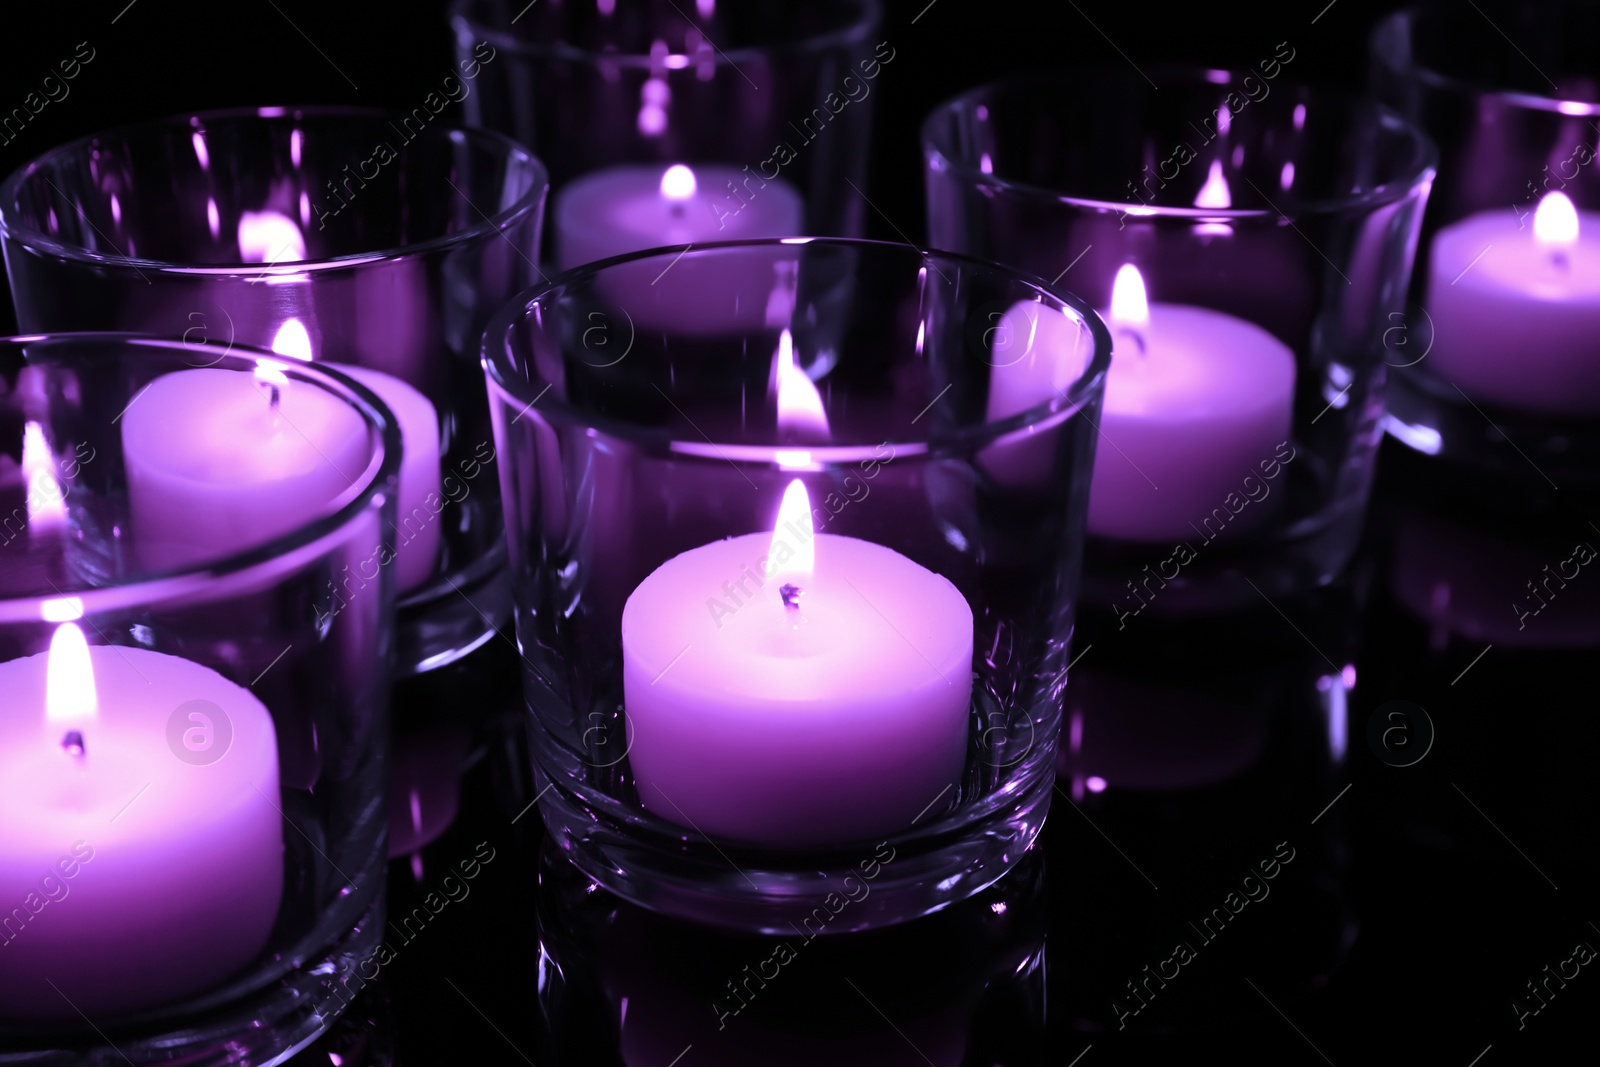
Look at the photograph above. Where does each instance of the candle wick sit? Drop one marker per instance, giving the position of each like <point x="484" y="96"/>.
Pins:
<point x="1136" y="337"/>
<point x="1559" y="257"/>
<point x="73" y="744"/>
<point x="274" y="394"/>
<point x="791" y="596"/>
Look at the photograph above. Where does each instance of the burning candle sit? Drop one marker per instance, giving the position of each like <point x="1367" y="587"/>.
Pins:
<point x="419" y="504"/>
<point x="1196" y="401"/>
<point x="629" y="208"/>
<point x="221" y="461"/>
<point x="796" y="689"/>
<point x="1516" y="310"/>
<point x="142" y="859"/>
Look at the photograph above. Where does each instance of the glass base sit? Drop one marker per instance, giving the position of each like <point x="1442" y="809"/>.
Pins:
<point x="685" y="875"/>
<point x="1228" y="572"/>
<point x="1542" y="452"/>
<point x="448" y="619"/>
<point x="264" y="1030"/>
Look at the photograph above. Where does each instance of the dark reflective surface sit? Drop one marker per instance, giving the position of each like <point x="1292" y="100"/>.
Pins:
<point x="1245" y="870"/>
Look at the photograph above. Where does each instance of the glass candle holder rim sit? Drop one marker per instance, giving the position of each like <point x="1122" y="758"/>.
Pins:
<point x="1421" y="167"/>
<point x="1066" y="401"/>
<point x="853" y="31"/>
<point x="154" y="587"/>
<point x="496" y="223"/>
<point x="1440" y="80"/>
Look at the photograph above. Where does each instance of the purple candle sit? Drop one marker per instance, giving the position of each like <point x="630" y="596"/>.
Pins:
<point x="796" y="689"/>
<point x="142" y="860"/>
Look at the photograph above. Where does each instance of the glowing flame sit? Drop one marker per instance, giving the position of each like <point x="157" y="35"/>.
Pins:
<point x="270" y="374"/>
<point x="793" y="530"/>
<point x="1130" y="307"/>
<point x="69" y="677"/>
<point x="678" y="183"/>
<point x="269" y="237"/>
<point x="62" y="609"/>
<point x="1214" y="193"/>
<point x="292" y="340"/>
<point x="47" y="506"/>
<point x="800" y="409"/>
<point x="1555" y="223"/>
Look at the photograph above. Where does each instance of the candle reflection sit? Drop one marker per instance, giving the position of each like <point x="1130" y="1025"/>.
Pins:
<point x="963" y="986"/>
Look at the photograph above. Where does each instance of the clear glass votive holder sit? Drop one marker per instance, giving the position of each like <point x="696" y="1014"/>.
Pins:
<point x="192" y="759"/>
<point x="880" y="721"/>
<point x="1499" y="376"/>
<point x="1272" y="227"/>
<point x="768" y="105"/>
<point x="378" y="242"/>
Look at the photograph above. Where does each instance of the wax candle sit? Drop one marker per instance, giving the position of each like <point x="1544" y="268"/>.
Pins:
<point x="221" y="461"/>
<point x="417" y="524"/>
<point x="628" y="208"/>
<point x="142" y="858"/>
<point x="796" y="689"/>
<point x="1516" y="308"/>
<point x="1196" y="401"/>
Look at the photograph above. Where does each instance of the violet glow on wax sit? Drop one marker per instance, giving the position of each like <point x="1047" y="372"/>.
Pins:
<point x="1515" y="308"/>
<point x="128" y="877"/>
<point x="274" y="457"/>
<point x="796" y="689"/>
<point x="417" y="547"/>
<point x="1195" y="399"/>
<point x="628" y="208"/>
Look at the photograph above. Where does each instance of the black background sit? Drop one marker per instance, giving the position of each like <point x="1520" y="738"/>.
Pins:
<point x="1452" y="916"/>
<point x="163" y="57"/>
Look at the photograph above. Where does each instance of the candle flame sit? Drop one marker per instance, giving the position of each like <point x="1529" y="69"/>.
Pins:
<point x="793" y="543"/>
<point x="62" y="609"/>
<point x="678" y="183"/>
<point x="800" y="409"/>
<point x="1555" y="223"/>
<point x="69" y="677"/>
<point x="1130" y="307"/>
<point x="1214" y="193"/>
<point x="270" y="374"/>
<point x="293" y="340"/>
<point x="270" y="237"/>
<point x="47" y="505"/>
